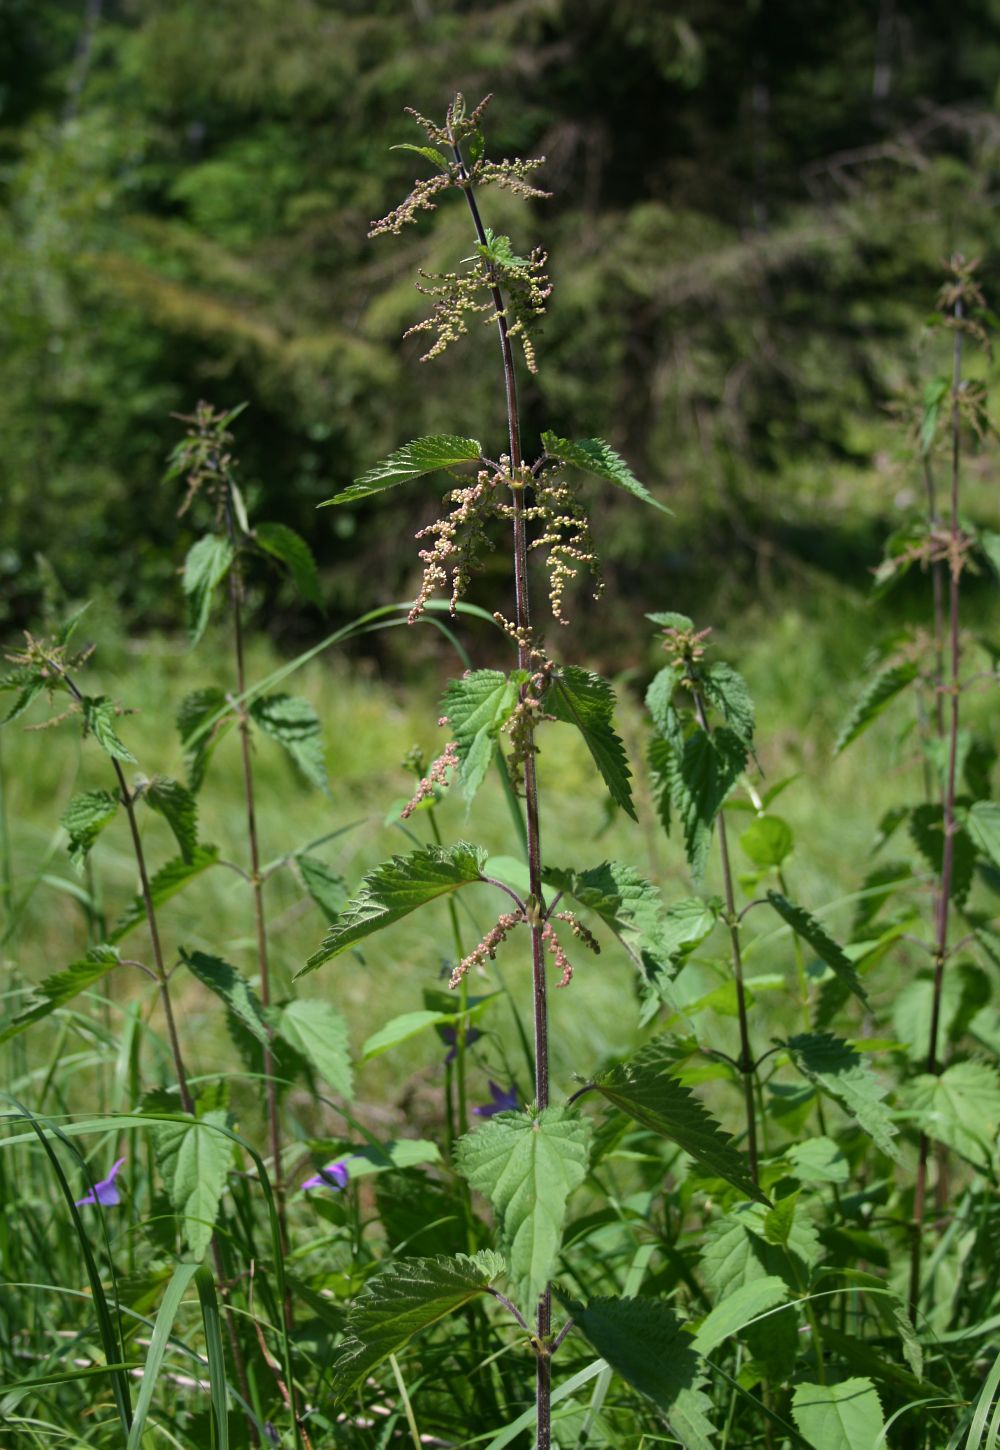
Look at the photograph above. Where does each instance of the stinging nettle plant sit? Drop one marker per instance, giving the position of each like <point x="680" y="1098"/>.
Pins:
<point x="526" y="1162"/>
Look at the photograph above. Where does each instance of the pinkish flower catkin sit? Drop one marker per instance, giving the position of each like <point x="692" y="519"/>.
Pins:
<point x="436" y="776"/>
<point x="560" y="958"/>
<point x="487" y="948"/>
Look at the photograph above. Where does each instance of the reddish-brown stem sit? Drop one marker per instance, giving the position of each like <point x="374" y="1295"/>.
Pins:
<point x="543" y="1380"/>
<point x="949" y="822"/>
<point x="746" y="1062"/>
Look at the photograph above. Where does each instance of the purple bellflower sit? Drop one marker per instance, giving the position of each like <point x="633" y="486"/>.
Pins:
<point x="503" y="1102"/>
<point x="450" y="1035"/>
<point x="105" y="1192"/>
<point x="334" y="1176"/>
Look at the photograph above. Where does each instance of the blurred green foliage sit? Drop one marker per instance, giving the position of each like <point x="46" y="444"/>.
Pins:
<point x="749" y="206"/>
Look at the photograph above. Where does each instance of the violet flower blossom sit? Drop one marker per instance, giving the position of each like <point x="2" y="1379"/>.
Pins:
<point x="105" y="1192"/>
<point x="334" y="1176"/>
<point x="450" y="1035"/>
<point x="503" y="1102"/>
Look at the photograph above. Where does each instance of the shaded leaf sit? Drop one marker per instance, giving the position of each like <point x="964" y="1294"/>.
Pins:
<point x="879" y="692"/>
<point x="99" y="715"/>
<point x="396" y="888"/>
<point x="60" y="988"/>
<point x="578" y="697"/>
<point x="234" y="989"/>
<point x="316" y="1029"/>
<point x="832" y="1064"/>
<point x="292" y="550"/>
<point x="847" y="1416"/>
<point x="413" y="460"/>
<point x="324" y="885"/>
<point x="727" y="690"/>
<point x="697" y="777"/>
<point x="927" y="831"/>
<point x="596" y="457"/>
<point x="199" y="735"/>
<point x="961" y="1109"/>
<point x="983" y="826"/>
<point x="527" y="1165"/>
<point x="648" y="1090"/>
<point x="737" y="1309"/>
<point x="399" y="1302"/>
<point x="179" y="809"/>
<point x="815" y="934"/>
<point x="295" y="725"/>
<point x="207" y="564"/>
<point x="476" y="706"/>
<point x="84" y="819"/>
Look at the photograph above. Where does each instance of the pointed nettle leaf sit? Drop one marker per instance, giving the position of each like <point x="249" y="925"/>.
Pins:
<point x="234" y="989"/>
<point x="413" y="460"/>
<point x="832" y="1065"/>
<point x="648" y="1089"/>
<point x="883" y="687"/>
<point x="646" y="1344"/>
<point x="178" y="808"/>
<point x="401" y="1029"/>
<point x="291" y="550"/>
<point x="815" y="935"/>
<point x="659" y="702"/>
<point x="202" y="719"/>
<point x="964" y="989"/>
<point x="207" y="564"/>
<point x="727" y="691"/>
<point x="927" y="833"/>
<point x="28" y="683"/>
<point x="316" y="1031"/>
<point x="194" y="1159"/>
<point x="59" y="988"/>
<point x="982" y="821"/>
<point x="167" y="882"/>
<point x="527" y="1165"/>
<point x="326" y="887"/>
<point x="768" y="841"/>
<point x="396" y="888"/>
<point x="99" y="716"/>
<point x="594" y="456"/>
<point x="429" y="153"/>
<point x="296" y="726"/>
<point x="694" y="778"/>
<point x="579" y="697"/>
<point x="84" y="819"/>
<point x="960" y="1108"/>
<point x="477" y="706"/>
<point x="733" y="1255"/>
<point x="401" y="1301"/>
<point x="845" y="1416"/>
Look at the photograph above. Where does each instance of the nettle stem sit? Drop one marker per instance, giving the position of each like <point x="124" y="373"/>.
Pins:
<point x="950" y="825"/>
<point x="746" y="1062"/>
<point x="257" y="889"/>
<point x="543" y="1383"/>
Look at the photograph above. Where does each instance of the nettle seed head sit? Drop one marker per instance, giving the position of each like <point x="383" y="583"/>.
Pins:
<point x="203" y="458"/>
<point x="566" y="537"/>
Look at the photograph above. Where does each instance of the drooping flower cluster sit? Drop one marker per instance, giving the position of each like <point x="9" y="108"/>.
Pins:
<point x="527" y="714"/>
<point x="566" y="536"/>
<point x="460" y="538"/>
<point x="487" y="948"/>
<point x="436" y="777"/>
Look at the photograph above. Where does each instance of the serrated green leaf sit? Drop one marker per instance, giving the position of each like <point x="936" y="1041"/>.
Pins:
<point x="429" y="153"/>
<point x="847" y="1416"/>
<point x="60" y="988"/>
<point x="29" y="684"/>
<point x="815" y="934"/>
<point x="99" y="715"/>
<point x="645" y="1343"/>
<point x="927" y="832"/>
<point x="234" y="989"/>
<point x="659" y="700"/>
<point x="736" y="1311"/>
<point x="84" y="819"/>
<point x="670" y="619"/>
<point x="648" y="1090"/>
<point x="578" y="697"/>
<point x="961" y="1109"/>
<point x="413" y="460"/>
<point x="290" y="549"/>
<point x="913" y="1008"/>
<point x="527" y="1165"/>
<point x="697" y="777"/>
<point x="768" y="841"/>
<point x="983" y="825"/>
<point x="732" y="1256"/>
<point x="405" y="1298"/>
<point x="295" y="725"/>
<point x="833" y="1065"/>
<point x="596" y="457"/>
<point x="477" y="706"/>
<point x="788" y="1225"/>
<point x="316" y="1029"/>
<point x="879" y="692"/>
<point x="818" y="1160"/>
<point x="170" y="879"/>
<point x="396" y="888"/>
<point x="179" y="809"/>
<point x="207" y="564"/>
<point x="324" y="885"/>
<point x="199" y="735"/>
<point x="401" y="1029"/>
<point x="194" y="1159"/>
<point x="727" y="690"/>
